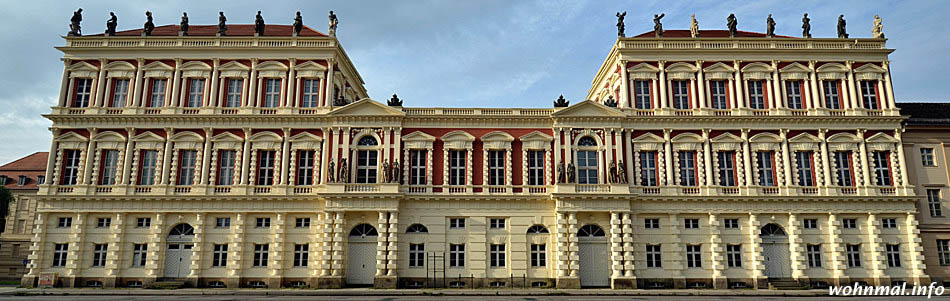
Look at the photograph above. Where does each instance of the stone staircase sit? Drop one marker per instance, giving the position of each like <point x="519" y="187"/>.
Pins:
<point x="785" y="284"/>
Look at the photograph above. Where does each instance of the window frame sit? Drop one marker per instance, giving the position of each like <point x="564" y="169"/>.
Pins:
<point x="306" y="167"/>
<point x="195" y="94"/>
<point x="728" y="173"/>
<point x="882" y="168"/>
<point x="718" y="95"/>
<point x="813" y="254"/>
<point x="82" y="93"/>
<point x="643" y="94"/>
<point x="187" y="165"/>
<point x="757" y="94"/>
<point x="261" y="254"/>
<point x="844" y="168"/>
<point x="694" y="256"/>
<point x="934" y="202"/>
<point x="71" y="160"/>
<point x="496" y="167"/>
<point x="219" y="255"/>
<point x="270" y="94"/>
<point x="893" y="254"/>
<point x="417" y="167"/>
<point x="832" y="94"/>
<point x="227" y="166"/>
<point x="456" y="255"/>
<point x="654" y="256"/>
<point x="100" y="254"/>
<point x="538" y="255"/>
<point x="869" y="94"/>
<point x="927" y="158"/>
<point x="157" y="93"/>
<point x="943" y="252"/>
<point x="679" y="94"/>
<point x="148" y="167"/>
<point x="853" y="253"/>
<point x="234" y="88"/>
<point x="139" y="255"/>
<point x="310" y="93"/>
<point x="535" y="168"/>
<point x="649" y="172"/>
<point x="734" y="256"/>
<point x="795" y="98"/>
<point x="120" y="92"/>
<point x="687" y="168"/>
<point x="266" y="167"/>
<point x="458" y="167"/>
<point x="417" y="255"/>
<point x="766" y="168"/>
<point x="301" y="255"/>
<point x="496" y="254"/>
<point x="806" y="171"/>
<point x="60" y="255"/>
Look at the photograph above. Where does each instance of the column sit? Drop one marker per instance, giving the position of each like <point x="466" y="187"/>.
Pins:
<point x="700" y="85"/>
<point x="629" y="248"/>
<point x="198" y="249"/>
<point x="253" y="99"/>
<point x="786" y="157"/>
<point x="213" y="96"/>
<point x="76" y="240"/>
<point x="245" y="156"/>
<point x="864" y="162"/>
<point x="206" y="157"/>
<point x="63" y="88"/>
<point x="167" y="154"/>
<point x="902" y="169"/>
<point x="573" y="256"/>
<point x="291" y="82"/>
<point x="285" y="157"/>
<point x="38" y="251"/>
<point x="915" y="260"/>
<point x="716" y="253"/>
<point x="625" y="85"/>
<point x="813" y="79"/>
<point x="739" y="99"/>
<point x="326" y="239"/>
<point x="328" y="96"/>
<point x="628" y="156"/>
<point x="835" y="247"/>
<point x="137" y="92"/>
<point x="676" y="251"/>
<point x="114" y="254"/>
<point x="336" y="267"/>
<point x="561" y="241"/>
<point x="755" y="244"/>
<point x="852" y="92"/>
<point x="557" y="155"/>
<point x="155" y="247"/>
<point x="324" y="154"/>
<point x="608" y="155"/>
<point x="878" y="262"/>
<point x="776" y="87"/>
<point x="616" y="246"/>
<point x="668" y="145"/>
<point x="662" y="80"/>
<point x="888" y="87"/>
<point x="100" y="84"/>
<point x="176" y="84"/>
<point x="746" y="157"/>
<point x="51" y="162"/>
<point x="707" y="158"/>
<point x="381" y="243"/>
<point x="826" y="171"/>
<point x="88" y="158"/>
<point x="236" y="248"/>
<point x="127" y="156"/>
<point x="795" y="247"/>
<point x="278" y="234"/>
<point x="392" y="264"/>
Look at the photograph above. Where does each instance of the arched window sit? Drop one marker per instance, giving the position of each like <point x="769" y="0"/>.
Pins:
<point x="417" y="228"/>
<point x="363" y="230"/>
<point x="182" y="230"/>
<point x="367" y="156"/>
<point x="590" y="231"/>
<point x="368" y="141"/>
<point x="587" y="141"/>
<point x="772" y="230"/>
<point x="537" y="229"/>
<point x="587" y="167"/>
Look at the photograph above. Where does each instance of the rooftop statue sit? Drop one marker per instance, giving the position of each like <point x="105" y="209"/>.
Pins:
<point x="610" y="102"/>
<point x="693" y="26"/>
<point x="184" y="23"/>
<point x="259" y="24"/>
<point x="770" y="27"/>
<point x="298" y="23"/>
<point x="74" y="28"/>
<point x="731" y="22"/>
<point x="395" y="101"/>
<point x="878" y="30"/>
<point x="149" y="26"/>
<point x="842" y="27"/>
<point x="561" y="102"/>
<point x="657" y="26"/>
<point x="333" y="23"/>
<point x="222" y="24"/>
<point x="806" y="26"/>
<point x="620" y="26"/>
<point x="111" y="24"/>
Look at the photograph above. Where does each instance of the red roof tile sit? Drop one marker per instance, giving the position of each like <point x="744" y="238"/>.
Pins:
<point x="234" y="30"/>
<point x="36" y="161"/>
<point x="31" y="166"/>
<point x="716" y="33"/>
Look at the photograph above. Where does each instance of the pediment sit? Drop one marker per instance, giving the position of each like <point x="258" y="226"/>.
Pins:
<point x="842" y="138"/>
<point x="765" y="138"/>
<point x="366" y="107"/>
<point x="833" y="67"/>
<point x="458" y="136"/>
<point x="120" y="65"/>
<point x="148" y="136"/>
<point x="158" y="66"/>
<point x="869" y="68"/>
<point x="719" y="67"/>
<point x="588" y="108"/>
<point x="265" y="136"/>
<point x="272" y="65"/>
<point x="224" y="137"/>
<point x="418" y="136"/>
<point x="536" y="136"/>
<point x="757" y="67"/>
<point x="726" y="138"/>
<point x="648" y="137"/>
<point x="881" y="138"/>
<point x="305" y="137"/>
<point x="804" y="138"/>
<point x="187" y="136"/>
<point x="310" y="65"/>
<point x="71" y="136"/>
<point x="681" y="67"/>
<point x="794" y="67"/>
<point x="234" y="65"/>
<point x="643" y="67"/>
<point x="109" y="136"/>
<point x="498" y="136"/>
<point x="195" y="66"/>
<point x="82" y="66"/>
<point x="687" y="137"/>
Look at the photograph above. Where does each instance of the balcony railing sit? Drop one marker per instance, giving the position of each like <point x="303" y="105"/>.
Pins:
<point x="199" y="42"/>
<point x="750" y="43"/>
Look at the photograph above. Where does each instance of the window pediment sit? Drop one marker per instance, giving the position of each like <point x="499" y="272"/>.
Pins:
<point x="795" y="71"/>
<point x="832" y="71"/>
<point x="310" y="69"/>
<point x="718" y="71"/>
<point x="187" y="140"/>
<point x="234" y="69"/>
<point x="458" y="140"/>
<point x="120" y="69"/>
<point x="765" y="142"/>
<point x="306" y="141"/>
<point x="497" y="140"/>
<point x="158" y="69"/>
<point x="195" y="69"/>
<point x="869" y="72"/>
<point x="83" y="69"/>
<point x="642" y="71"/>
<point x="881" y="138"/>
<point x="681" y="71"/>
<point x="148" y="140"/>
<point x="648" y="142"/>
<point x="265" y="140"/>
<point x="417" y="140"/>
<point x="535" y="141"/>
<point x="757" y="71"/>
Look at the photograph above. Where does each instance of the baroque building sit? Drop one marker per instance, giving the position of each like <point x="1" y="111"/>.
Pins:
<point x="260" y="161"/>
<point x="22" y="177"/>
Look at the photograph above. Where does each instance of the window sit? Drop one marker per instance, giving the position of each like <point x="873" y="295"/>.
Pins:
<point x="260" y="255"/>
<point x="844" y="168"/>
<point x="687" y="162"/>
<point x="641" y="94"/>
<point x="103" y="222"/>
<point x="70" y="167"/>
<point x="222" y="222"/>
<point x="271" y="93"/>
<point x="496" y="167"/>
<point x="793" y="92"/>
<point x="538" y="255"/>
<point x="933" y="201"/>
<point x="654" y="259"/>
<point x="147" y="174"/>
<point x="417" y="253"/>
<point x="943" y="251"/>
<point x="893" y="255"/>
<point x="417" y="167"/>
<point x="456" y="255"/>
<point x="537" y="229"/>
<point x="806" y="174"/>
<point x="417" y="228"/>
<point x="734" y="256"/>
<point x="265" y="167"/>
<point x="648" y="170"/>
<point x="157" y="97"/>
<point x="927" y="157"/>
<point x="301" y="255"/>
<point x="143" y="222"/>
<point x="587" y="167"/>
<point x="120" y="93"/>
<point x="497" y="255"/>
<point x="832" y="97"/>
<point x="64" y="222"/>
<point x="311" y="93"/>
<point x="305" y="167"/>
<point x="732" y="223"/>
<point x="59" y="254"/>
<point x="496" y="223"/>
<point x="186" y="167"/>
<point x="691" y="223"/>
<point x="651" y="223"/>
<point x="694" y="257"/>
<point x="889" y="223"/>
<point x="302" y="222"/>
<point x="366" y="161"/>
<point x="757" y="95"/>
<point x="233" y="98"/>
<point x="220" y="256"/>
<point x="110" y="162"/>
<point x="457" y="167"/>
<point x="21" y="180"/>
<point x="226" y="163"/>
<point x="850" y="223"/>
<point x="882" y="167"/>
<point x="196" y="90"/>
<point x="83" y="91"/>
<point x="139" y="255"/>
<point x="766" y="162"/>
<point x="456" y="223"/>
<point x="727" y="168"/>
<point x="40" y="180"/>
<point x="814" y="256"/>
<point x="262" y="222"/>
<point x="717" y="88"/>
<point x="681" y="94"/>
<point x="99" y="253"/>
<point x="869" y="95"/>
<point x="810" y="223"/>
<point x="854" y="255"/>
<point x="535" y="167"/>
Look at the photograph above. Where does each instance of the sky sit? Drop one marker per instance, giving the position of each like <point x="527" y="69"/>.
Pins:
<point x="488" y="53"/>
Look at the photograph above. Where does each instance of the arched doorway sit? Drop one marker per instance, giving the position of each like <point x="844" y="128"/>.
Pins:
<point x="178" y="251"/>
<point x="775" y="251"/>
<point x="361" y="255"/>
<point x="593" y="256"/>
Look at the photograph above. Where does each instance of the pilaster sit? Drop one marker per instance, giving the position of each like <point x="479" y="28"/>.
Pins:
<point x="835" y="245"/>
<point x="877" y="260"/>
<point x="796" y="247"/>
<point x="757" y="264"/>
<point x="715" y="253"/>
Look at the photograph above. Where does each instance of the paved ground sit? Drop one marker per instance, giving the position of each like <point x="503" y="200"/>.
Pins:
<point x="420" y="298"/>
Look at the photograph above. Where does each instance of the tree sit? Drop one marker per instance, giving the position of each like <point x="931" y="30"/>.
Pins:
<point x="5" y="199"/>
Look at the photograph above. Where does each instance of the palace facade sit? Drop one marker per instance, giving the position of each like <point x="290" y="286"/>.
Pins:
<point x="22" y="177"/>
<point x="260" y="161"/>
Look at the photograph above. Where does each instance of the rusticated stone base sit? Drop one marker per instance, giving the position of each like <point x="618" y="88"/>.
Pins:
<point x="385" y="282"/>
<point x="329" y="282"/>
<point x="623" y="283"/>
<point x="720" y="283"/>
<point x="568" y="282"/>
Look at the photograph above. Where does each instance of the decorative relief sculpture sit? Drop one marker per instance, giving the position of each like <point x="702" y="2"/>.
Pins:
<point x="298" y="24"/>
<point x="259" y="24"/>
<point x="693" y="26"/>
<point x="806" y="26"/>
<point x="842" y="27"/>
<point x="770" y="27"/>
<point x="111" y="24"/>
<point x="878" y="30"/>
<point x="149" y="26"/>
<point x="561" y="102"/>
<point x="184" y="24"/>
<point x="657" y="25"/>
<point x="222" y="24"/>
<point x="620" y="26"/>
<point x="731" y="22"/>
<point x="75" y="29"/>
<point x="333" y="23"/>
<point x="394" y="101"/>
<point x="610" y="102"/>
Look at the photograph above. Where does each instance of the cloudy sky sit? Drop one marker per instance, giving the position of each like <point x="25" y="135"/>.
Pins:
<point x="454" y="53"/>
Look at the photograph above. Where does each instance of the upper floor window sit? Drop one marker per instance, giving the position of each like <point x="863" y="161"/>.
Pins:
<point x="766" y="162"/>
<point x="82" y="93"/>
<point x="265" y="167"/>
<point x="226" y="162"/>
<point x="271" y="93"/>
<point x="927" y="157"/>
<point x="717" y="89"/>
<point x="110" y="163"/>
<point x="157" y="96"/>
<point x="943" y="251"/>
<point x="806" y="172"/>
<point x="869" y="95"/>
<point x="933" y="201"/>
<point x="535" y="167"/>
<point x="496" y="167"/>
<point x="882" y="167"/>
<point x="120" y="93"/>
<point x="305" y="172"/>
<point x="186" y="167"/>
<point x="757" y="95"/>
<point x="196" y="90"/>
<point x="147" y="170"/>
<point x="366" y="160"/>
<point x="832" y="94"/>
<point x="844" y="167"/>
<point x="21" y="181"/>
<point x="587" y="166"/>
<point x="687" y="162"/>
<point x="70" y="167"/>
<point x="727" y="168"/>
<point x="311" y="92"/>
<point x="641" y="94"/>
<point x="681" y="94"/>
<point x="40" y="180"/>
<point x="793" y="94"/>
<point x="233" y="96"/>
<point x="417" y="167"/>
<point x="457" y="172"/>
<point x="648" y="170"/>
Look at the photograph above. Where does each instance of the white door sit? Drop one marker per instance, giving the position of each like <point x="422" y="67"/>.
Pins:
<point x="361" y="262"/>
<point x="777" y="260"/>
<point x="178" y="260"/>
<point x="594" y="269"/>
